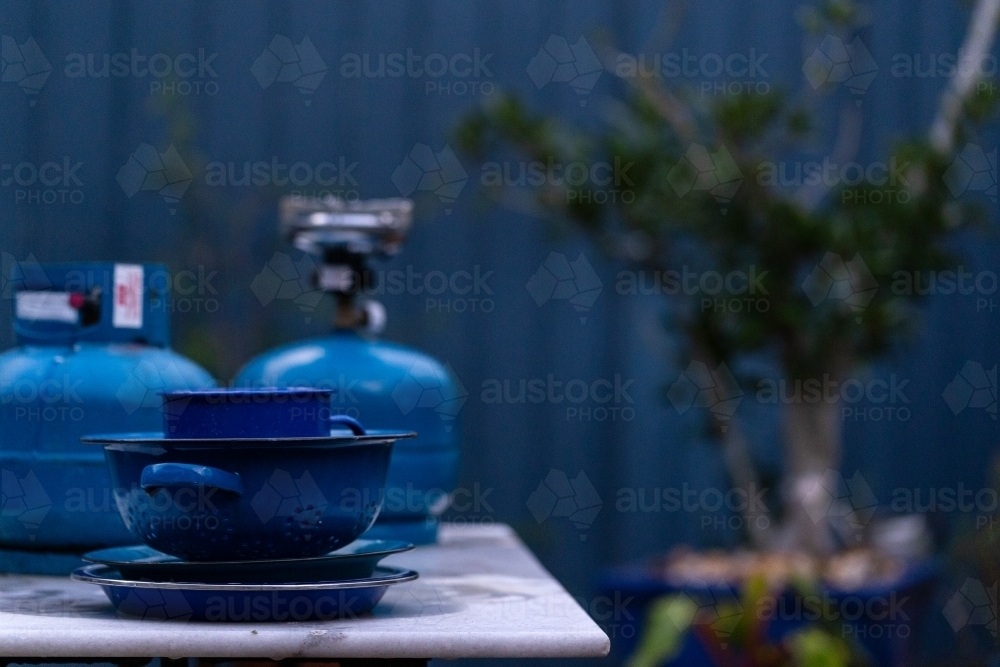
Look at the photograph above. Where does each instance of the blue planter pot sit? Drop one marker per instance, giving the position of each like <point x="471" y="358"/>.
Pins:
<point x="884" y="619"/>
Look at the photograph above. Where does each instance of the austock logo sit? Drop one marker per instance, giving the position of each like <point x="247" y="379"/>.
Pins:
<point x="185" y="508"/>
<point x="299" y="500"/>
<point x="427" y="170"/>
<point x="285" y="62"/>
<point x="453" y="292"/>
<point x="581" y="182"/>
<point x="288" y="279"/>
<point x="973" y="604"/>
<point x="54" y="399"/>
<point x="194" y="72"/>
<point x="834" y="62"/>
<point x="427" y="386"/>
<point x="173" y="605"/>
<point x="932" y="65"/>
<point x="559" y="496"/>
<point x="302" y="282"/>
<point x="24" y="499"/>
<point x="165" y="173"/>
<point x="872" y="183"/>
<point x="457" y="74"/>
<point x="614" y="614"/>
<point x="50" y="182"/>
<point x="283" y="607"/>
<point x="184" y="291"/>
<point x="334" y="177"/>
<point x="973" y="387"/>
<point x="715" y="607"/>
<point x="700" y="387"/>
<point x="24" y="65"/>
<point x="558" y="61"/>
<point x="861" y="398"/>
<point x="850" y="502"/>
<point x="603" y="399"/>
<point x="981" y="504"/>
<point x="859" y="617"/>
<point x="559" y="279"/>
<point x="981" y="285"/>
<point x="731" y="292"/>
<point x="702" y="171"/>
<point x="419" y="599"/>
<point x="730" y="509"/>
<point x="973" y="170"/>
<point x="147" y="381"/>
<point x="13" y="273"/>
<point x="732" y="74"/>
<point x="155" y="605"/>
<point x="849" y="282"/>
<point x="466" y="505"/>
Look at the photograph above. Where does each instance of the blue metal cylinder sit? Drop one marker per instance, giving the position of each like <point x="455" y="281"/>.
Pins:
<point x="92" y="357"/>
<point x="390" y="387"/>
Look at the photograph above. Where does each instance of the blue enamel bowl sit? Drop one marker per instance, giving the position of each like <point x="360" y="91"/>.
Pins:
<point x="227" y="603"/>
<point x="237" y="499"/>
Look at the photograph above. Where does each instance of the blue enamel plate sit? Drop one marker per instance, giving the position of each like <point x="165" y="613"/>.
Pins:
<point x="357" y="560"/>
<point x="253" y="603"/>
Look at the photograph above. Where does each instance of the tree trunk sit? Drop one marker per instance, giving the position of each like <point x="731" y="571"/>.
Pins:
<point x="812" y="448"/>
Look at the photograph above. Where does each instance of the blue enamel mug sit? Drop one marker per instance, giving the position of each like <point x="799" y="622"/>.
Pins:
<point x="247" y="413"/>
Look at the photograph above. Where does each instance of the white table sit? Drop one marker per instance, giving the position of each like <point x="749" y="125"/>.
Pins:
<point x="481" y="594"/>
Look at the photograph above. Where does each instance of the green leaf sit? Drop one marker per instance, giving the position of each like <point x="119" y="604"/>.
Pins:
<point x="667" y="624"/>
<point x="815" y="648"/>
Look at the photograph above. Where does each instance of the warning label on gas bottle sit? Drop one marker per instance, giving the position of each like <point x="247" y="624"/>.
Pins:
<point x="46" y="307"/>
<point x="127" y="310"/>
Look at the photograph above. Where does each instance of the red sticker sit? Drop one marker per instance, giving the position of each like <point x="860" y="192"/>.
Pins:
<point x="129" y="279"/>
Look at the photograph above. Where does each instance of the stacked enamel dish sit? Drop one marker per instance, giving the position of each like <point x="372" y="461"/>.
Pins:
<point x="249" y="505"/>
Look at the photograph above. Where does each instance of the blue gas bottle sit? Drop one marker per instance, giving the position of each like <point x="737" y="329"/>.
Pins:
<point x="93" y="356"/>
<point x="386" y="385"/>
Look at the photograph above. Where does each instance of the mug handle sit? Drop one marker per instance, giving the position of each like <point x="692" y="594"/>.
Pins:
<point x="166" y="475"/>
<point x="350" y="422"/>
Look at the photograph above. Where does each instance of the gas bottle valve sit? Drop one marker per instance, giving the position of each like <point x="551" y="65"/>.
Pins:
<point x="345" y="235"/>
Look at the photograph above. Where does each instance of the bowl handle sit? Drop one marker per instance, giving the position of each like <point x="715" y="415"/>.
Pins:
<point x="349" y="422"/>
<point x="169" y="475"/>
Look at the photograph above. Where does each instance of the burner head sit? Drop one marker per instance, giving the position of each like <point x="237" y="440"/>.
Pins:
<point x="321" y="226"/>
